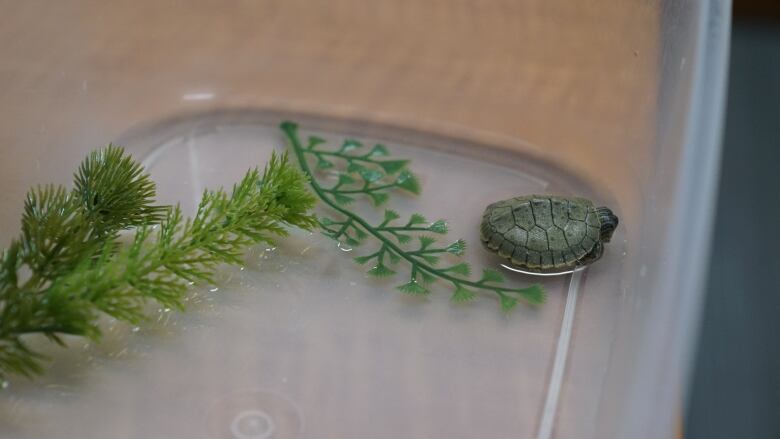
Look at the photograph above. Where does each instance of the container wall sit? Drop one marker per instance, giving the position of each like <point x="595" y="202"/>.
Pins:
<point x="645" y="395"/>
<point x="624" y="95"/>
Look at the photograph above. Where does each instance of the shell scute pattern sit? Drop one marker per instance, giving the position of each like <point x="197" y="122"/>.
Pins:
<point x="577" y="211"/>
<point x="556" y="239"/>
<point x="495" y="241"/>
<point x="506" y="249"/>
<point x="560" y="212"/>
<point x="537" y="239"/>
<point x="547" y="258"/>
<point x="543" y="233"/>
<point x="520" y="255"/>
<point x="574" y="233"/>
<point x="534" y="258"/>
<point x="523" y="215"/>
<point x="542" y="210"/>
<point x="517" y="235"/>
<point x="501" y="219"/>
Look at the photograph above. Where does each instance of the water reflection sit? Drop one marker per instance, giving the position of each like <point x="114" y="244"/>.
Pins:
<point x="533" y="273"/>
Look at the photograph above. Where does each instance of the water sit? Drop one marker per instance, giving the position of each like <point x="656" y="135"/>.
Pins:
<point x="346" y="352"/>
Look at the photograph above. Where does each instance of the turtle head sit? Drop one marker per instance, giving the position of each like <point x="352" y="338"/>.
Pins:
<point x="609" y="222"/>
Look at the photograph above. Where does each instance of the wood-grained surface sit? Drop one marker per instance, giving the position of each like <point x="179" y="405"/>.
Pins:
<point x="576" y="79"/>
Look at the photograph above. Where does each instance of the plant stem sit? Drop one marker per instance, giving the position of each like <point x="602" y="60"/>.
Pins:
<point x="339" y="155"/>
<point x="403" y="229"/>
<point x="358" y="191"/>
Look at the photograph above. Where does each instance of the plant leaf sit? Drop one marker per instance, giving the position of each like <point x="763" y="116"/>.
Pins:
<point x="314" y="141"/>
<point x="489" y="275"/>
<point x="349" y="145"/>
<point x="378" y="150"/>
<point x="324" y="164"/>
<point x="391" y="215"/>
<point x="345" y="179"/>
<point x="416" y="218"/>
<point x="343" y="199"/>
<point x="360" y="235"/>
<point x="462" y="295"/>
<point x="413" y="288"/>
<point x="393" y="166"/>
<point x="403" y="239"/>
<point x="325" y="221"/>
<point x="370" y="175"/>
<point x="534" y="294"/>
<point x="426" y="241"/>
<point x="407" y="181"/>
<point x="381" y="270"/>
<point x="457" y="248"/>
<point x="354" y="167"/>
<point x="462" y="269"/>
<point x="351" y="241"/>
<point x="379" y="198"/>
<point x="508" y="303"/>
<point x="426" y="277"/>
<point x="439" y="226"/>
<point x="431" y="259"/>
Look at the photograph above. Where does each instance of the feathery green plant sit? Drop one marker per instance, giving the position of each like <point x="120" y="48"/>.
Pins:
<point x="68" y="267"/>
<point x="371" y="174"/>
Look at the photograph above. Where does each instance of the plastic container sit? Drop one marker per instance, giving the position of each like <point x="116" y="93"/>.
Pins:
<point x="618" y="101"/>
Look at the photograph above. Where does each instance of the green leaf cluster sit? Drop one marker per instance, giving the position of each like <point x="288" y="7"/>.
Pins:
<point x="414" y="241"/>
<point x="68" y="267"/>
<point x="367" y="171"/>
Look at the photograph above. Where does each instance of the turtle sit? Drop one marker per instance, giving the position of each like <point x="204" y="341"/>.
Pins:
<point x="547" y="234"/>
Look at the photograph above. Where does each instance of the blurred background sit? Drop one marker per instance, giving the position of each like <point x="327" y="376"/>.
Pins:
<point x="736" y="385"/>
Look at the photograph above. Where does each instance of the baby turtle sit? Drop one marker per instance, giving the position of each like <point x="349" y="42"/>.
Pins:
<point x="547" y="234"/>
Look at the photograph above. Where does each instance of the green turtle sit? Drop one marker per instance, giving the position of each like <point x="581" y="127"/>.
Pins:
<point x="547" y="234"/>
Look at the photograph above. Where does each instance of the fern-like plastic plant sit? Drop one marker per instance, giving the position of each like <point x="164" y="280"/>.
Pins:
<point x="68" y="267"/>
<point x="369" y="172"/>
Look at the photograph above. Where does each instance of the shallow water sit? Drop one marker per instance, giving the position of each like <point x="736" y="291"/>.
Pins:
<point x="299" y="342"/>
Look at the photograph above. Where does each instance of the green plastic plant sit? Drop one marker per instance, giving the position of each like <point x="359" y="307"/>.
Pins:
<point x="370" y="173"/>
<point x="68" y="267"/>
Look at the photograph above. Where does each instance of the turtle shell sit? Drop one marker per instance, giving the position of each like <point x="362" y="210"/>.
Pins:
<point x="542" y="233"/>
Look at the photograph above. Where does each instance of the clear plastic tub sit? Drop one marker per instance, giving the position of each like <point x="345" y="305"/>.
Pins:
<point x="617" y="101"/>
